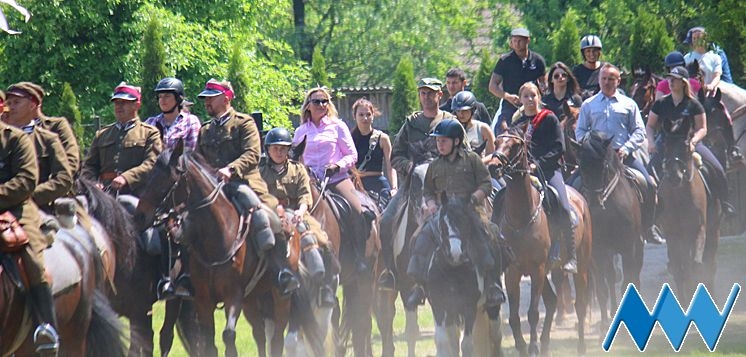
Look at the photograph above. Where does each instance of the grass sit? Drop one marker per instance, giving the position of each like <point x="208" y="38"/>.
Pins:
<point x="732" y="268"/>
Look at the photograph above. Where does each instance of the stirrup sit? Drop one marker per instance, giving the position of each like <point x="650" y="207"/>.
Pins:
<point x="571" y="266"/>
<point x="387" y="281"/>
<point x="415" y="298"/>
<point x="46" y="340"/>
<point x="165" y="289"/>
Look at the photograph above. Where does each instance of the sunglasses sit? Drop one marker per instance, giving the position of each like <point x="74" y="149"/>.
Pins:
<point x="559" y="75"/>
<point x="319" y="101"/>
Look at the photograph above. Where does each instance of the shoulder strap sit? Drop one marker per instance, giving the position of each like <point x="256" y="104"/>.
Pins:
<point x="375" y="137"/>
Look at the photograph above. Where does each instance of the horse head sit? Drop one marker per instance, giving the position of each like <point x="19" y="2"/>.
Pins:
<point x="458" y="223"/>
<point x="296" y="152"/>
<point x="677" y="165"/>
<point x="510" y="156"/>
<point x="598" y="162"/>
<point x="643" y="89"/>
<point x="162" y="181"/>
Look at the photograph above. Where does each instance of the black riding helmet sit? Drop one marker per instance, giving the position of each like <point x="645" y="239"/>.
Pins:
<point x="171" y="85"/>
<point x="463" y="100"/>
<point x="449" y="128"/>
<point x="278" y="136"/>
<point x="674" y="59"/>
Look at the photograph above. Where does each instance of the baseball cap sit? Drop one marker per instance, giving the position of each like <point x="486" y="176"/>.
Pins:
<point x="432" y="83"/>
<point x="27" y="89"/>
<point x="678" y="72"/>
<point x="126" y="92"/>
<point x="520" y="32"/>
<point x="213" y="88"/>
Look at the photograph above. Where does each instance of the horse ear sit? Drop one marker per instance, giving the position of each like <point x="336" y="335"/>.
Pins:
<point x="176" y="153"/>
<point x="297" y="151"/>
<point x="718" y="94"/>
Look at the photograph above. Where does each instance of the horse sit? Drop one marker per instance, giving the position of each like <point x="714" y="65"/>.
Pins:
<point x="135" y="274"/>
<point x="616" y="211"/>
<point x="734" y="100"/>
<point x="569" y="122"/>
<point x="718" y="126"/>
<point x="642" y="90"/>
<point x="690" y="223"/>
<point x="453" y="283"/>
<point x="86" y="324"/>
<point x="353" y="321"/>
<point x="215" y="234"/>
<point x="527" y="228"/>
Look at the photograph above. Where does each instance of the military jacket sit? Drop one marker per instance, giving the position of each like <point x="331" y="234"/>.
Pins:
<point x="292" y="186"/>
<point x="234" y="144"/>
<point x="416" y="127"/>
<point x="18" y="175"/>
<point x="130" y="152"/>
<point x="55" y="177"/>
<point x="460" y="177"/>
<point x="61" y="127"/>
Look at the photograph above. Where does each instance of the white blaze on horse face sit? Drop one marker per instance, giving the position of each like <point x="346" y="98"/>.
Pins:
<point x="455" y="244"/>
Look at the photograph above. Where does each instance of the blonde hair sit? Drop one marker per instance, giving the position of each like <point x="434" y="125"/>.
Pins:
<point x="687" y="87"/>
<point x="305" y="113"/>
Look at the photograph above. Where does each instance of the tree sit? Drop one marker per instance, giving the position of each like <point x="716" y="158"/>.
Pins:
<point x="153" y="66"/>
<point x="238" y="77"/>
<point x="480" y="85"/>
<point x="404" y="93"/>
<point x="318" y="69"/>
<point x="649" y="43"/>
<point x="565" y="48"/>
<point x="69" y="109"/>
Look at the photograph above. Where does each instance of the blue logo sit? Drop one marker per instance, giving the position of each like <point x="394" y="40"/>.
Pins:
<point x="668" y="313"/>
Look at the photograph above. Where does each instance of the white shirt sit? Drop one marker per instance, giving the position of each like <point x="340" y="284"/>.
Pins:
<point x="709" y="62"/>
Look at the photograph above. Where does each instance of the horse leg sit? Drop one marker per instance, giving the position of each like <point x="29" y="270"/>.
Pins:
<point x="443" y="344"/>
<point x="513" y="284"/>
<point x="206" y="326"/>
<point x="581" y="305"/>
<point x="412" y="331"/>
<point x="560" y="280"/>
<point x="537" y="286"/>
<point x="467" y="342"/>
<point x="358" y="315"/>
<point x="232" y="313"/>
<point x="385" y="311"/>
<point x="253" y="316"/>
<point x="141" y="335"/>
<point x="550" y="304"/>
<point x="167" y="330"/>
<point x="281" y="318"/>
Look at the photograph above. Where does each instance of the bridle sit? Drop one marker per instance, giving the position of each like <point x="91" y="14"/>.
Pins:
<point x="687" y="165"/>
<point x="604" y="192"/>
<point x="510" y="166"/>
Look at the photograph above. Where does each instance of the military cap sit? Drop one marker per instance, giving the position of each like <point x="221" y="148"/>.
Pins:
<point x="213" y="88"/>
<point x="126" y="92"/>
<point x="27" y="89"/>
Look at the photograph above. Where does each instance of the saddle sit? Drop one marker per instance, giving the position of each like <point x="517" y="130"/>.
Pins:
<point x="638" y="182"/>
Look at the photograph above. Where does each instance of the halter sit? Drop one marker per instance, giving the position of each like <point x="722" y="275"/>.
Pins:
<point x="688" y="169"/>
<point x="604" y="192"/>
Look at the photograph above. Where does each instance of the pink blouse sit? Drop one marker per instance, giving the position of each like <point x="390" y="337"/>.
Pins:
<point x="328" y="143"/>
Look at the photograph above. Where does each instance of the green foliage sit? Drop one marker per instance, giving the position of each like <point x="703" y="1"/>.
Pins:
<point x="725" y="26"/>
<point x="319" y="77"/>
<point x="565" y="48"/>
<point x="649" y="43"/>
<point x="480" y="85"/>
<point x="404" y="94"/>
<point x="69" y="109"/>
<point x="238" y="77"/>
<point x="153" y="67"/>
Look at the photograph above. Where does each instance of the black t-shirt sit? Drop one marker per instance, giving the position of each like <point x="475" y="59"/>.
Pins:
<point x="515" y="72"/>
<point x="587" y="79"/>
<point x="670" y="115"/>
<point x="362" y="144"/>
<point x="555" y="105"/>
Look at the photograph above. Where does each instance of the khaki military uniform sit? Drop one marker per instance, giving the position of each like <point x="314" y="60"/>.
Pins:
<point x="55" y="176"/>
<point x="18" y="176"/>
<point x="235" y="144"/>
<point x="416" y="127"/>
<point x="460" y="177"/>
<point x="130" y="152"/>
<point x="292" y="188"/>
<point x="61" y="127"/>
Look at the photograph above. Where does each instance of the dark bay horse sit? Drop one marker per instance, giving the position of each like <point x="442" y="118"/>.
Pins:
<point x="690" y="223"/>
<point x="615" y="206"/>
<point x="85" y="321"/>
<point x="225" y="263"/>
<point x="642" y="90"/>
<point x="135" y="275"/>
<point x="527" y="228"/>
<point x="718" y="126"/>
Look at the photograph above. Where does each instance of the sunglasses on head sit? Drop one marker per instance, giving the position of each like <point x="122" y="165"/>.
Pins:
<point x="319" y="101"/>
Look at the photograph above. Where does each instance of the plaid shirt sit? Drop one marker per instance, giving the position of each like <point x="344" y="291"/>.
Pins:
<point x="185" y="127"/>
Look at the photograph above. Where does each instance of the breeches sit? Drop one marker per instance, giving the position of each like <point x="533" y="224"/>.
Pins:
<point x="558" y="183"/>
<point x="32" y="255"/>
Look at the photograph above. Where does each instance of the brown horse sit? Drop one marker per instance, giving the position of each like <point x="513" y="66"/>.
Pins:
<point x="690" y="223"/>
<point x="526" y="226"/>
<point x="642" y="90"/>
<point x="216" y="236"/>
<point x="615" y="206"/>
<point x="85" y="321"/>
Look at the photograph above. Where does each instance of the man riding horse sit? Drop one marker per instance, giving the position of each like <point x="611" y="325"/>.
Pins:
<point x="456" y="173"/>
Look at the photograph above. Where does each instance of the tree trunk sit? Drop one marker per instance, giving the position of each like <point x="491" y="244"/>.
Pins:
<point x="304" y="43"/>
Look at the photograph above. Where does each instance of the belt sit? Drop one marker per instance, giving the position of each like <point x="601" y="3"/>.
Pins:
<point x="371" y="173"/>
<point x="107" y="176"/>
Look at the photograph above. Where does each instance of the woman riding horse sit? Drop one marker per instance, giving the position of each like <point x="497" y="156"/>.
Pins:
<point x="456" y="173"/>
<point x="668" y="112"/>
<point x="330" y="152"/>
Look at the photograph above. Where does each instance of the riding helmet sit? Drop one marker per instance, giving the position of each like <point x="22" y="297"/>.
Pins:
<point x="450" y="128"/>
<point x="674" y="59"/>
<point x="590" y="41"/>
<point x="463" y="100"/>
<point x="170" y="85"/>
<point x="278" y="136"/>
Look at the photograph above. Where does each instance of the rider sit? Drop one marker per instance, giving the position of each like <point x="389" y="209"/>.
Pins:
<point x="230" y="142"/>
<point x="124" y="152"/>
<point x="588" y="71"/>
<point x="330" y="152"/>
<point x="174" y="124"/>
<point x="563" y="88"/>
<point x="18" y="176"/>
<point x="477" y="132"/>
<point x="456" y="82"/>
<point x="675" y="59"/>
<point x="546" y="146"/>
<point x="681" y="104"/>
<point x="618" y="116"/>
<point x="373" y="151"/>
<point x="414" y="130"/>
<point x="288" y="181"/>
<point x="55" y="176"/>
<point x="460" y="173"/>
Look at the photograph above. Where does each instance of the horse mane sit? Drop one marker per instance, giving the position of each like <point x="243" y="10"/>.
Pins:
<point x="205" y="168"/>
<point x="115" y="219"/>
<point x="597" y="144"/>
<point x="466" y="216"/>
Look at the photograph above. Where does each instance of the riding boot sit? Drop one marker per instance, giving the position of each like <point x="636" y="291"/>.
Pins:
<point x="417" y="270"/>
<point x="248" y="203"/>
<point x="165" y="288"/>
<point x="571" y="266"/>
<point x="493" y="292"/>
<point x="311" y="257"/>
<point x="651" y="233"/>
<point x="46" y="338"/>
<point x="328" y="285"/>
<point x="184" y="287"/>
<point x="362" y="232"/>
<point x="554" y="255"/>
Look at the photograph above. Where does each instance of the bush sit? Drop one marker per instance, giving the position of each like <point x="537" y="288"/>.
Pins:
<point x="404" y="93"/>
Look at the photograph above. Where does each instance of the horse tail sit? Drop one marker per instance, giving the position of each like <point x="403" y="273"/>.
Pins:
<point x="105" y="335"/>
<point x="302" y="316"/>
